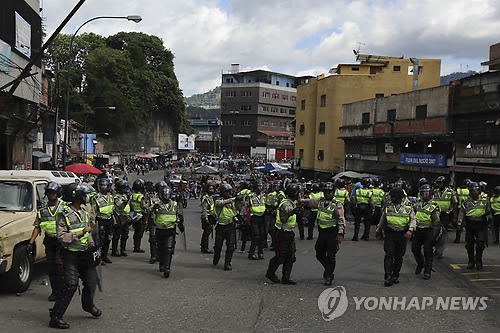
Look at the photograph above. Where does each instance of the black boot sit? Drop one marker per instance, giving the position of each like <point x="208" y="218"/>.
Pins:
<point x="123" y="253"/>
<point x="419" y="269"/>
<point x="216" y="258"/>
<point x="252" y="256"/>
<point x="57" y="312"/>
<point x="457" y="236"/>
<point x="328" y="280"/>
<point x="428" y="268"/>
<point x="93" y="310"/>
<point x="114" y="250"/>
<point x="107" y="260"/>
<point x="168" y="262"/>
<point x="472" y="263"/>
<point x="58" y="322"/>
<point x="152" y="260"/>
<point x="479" y="259"/>
<point x="388" y="280"/>
<point x="271" y="270"/>
<point x="287" y="271"/>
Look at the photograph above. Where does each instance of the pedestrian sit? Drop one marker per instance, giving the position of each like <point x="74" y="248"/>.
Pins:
<point x="46" y="221"/>
<point x="225" y="229"/>
<point x="73" y="230"/>
<point x="428" y="225"/>
<point x="166" y="215"/>
<point x="331" y="227"/>
<point x="286" y="219"/>
<point x="473" y="213"/>
<point x="398" y="223"/>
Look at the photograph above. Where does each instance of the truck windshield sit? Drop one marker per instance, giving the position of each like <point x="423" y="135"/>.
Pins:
<point x="16" y="196"/>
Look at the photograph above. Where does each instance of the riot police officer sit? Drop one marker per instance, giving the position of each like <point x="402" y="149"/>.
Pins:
<point x="495" y="211"/>
<point x="447" y="201"/>
<point x="208" y="217"/>
<point x="242" y="204"/>
<point x="225" y="229"/>
<point x="316" y="193"/>
<point x="285" y="237"/>
<point x="122" y="211"/>
<point x="462" y="194"/>
<point x="257" y="223"/>
<point x="154" y="199"/>
<point x="73" y="230"/>
<point x="363" y="202"/>
<point x="331" y="226"/>
<point x="166" y="215"/>
<point x="398" y="223"/>
<point x="46" y="221"/>
<point x="473" y="212"/>
<point x="103" y="207"/>
<point x="378" y="198"/>
<point x="139" y="207"/>
<point x="428" y="225"/>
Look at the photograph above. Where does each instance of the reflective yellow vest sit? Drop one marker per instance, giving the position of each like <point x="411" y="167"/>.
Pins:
<point x="462" y="193"/>
<point x="398" y="220"/>
<point x="165" y="216"/>
<point x="135" y="202"/>
<point x="271" y="199"/>
<point x="104" y="206"/>
<point x="257" y="205"/>
<point x="210" y="204"/>
<point x="363" y="196"/>
<point x="474" y="211"/>
<point x="122" y="211"/>
<point x="443" y="199"/>
<point x="326" y="214"/>
<point x="424" y="213"/>
<point x="289" y="225"/>
<point x="495" y="205"/>
<point x="317" y="195"/>
<point x="227" y="214"/>
<point x="378" y="196"/>
<point x="76" y="223"/>
<point x="341" y="195"/>
<point x="48" y="218"/>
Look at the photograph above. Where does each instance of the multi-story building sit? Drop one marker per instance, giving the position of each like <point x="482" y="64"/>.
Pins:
<point x="20" y="40"/>
<point x="451" y="130"/>
<point x="257" y="110"/>
<point x="207" y="133"/>
<point x="319" y="112"/>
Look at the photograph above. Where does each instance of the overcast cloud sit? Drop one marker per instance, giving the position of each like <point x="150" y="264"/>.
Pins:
<point x="296" y="37"/>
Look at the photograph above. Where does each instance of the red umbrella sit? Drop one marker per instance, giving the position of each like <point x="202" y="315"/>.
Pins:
<point x="146" y="156"/>
<point x="83" y="169"/>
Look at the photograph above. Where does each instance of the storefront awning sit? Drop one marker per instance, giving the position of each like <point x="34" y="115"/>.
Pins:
<point x="42" y="157"/>
<point x="276" y="133"/>
<point x="475" y="169"/>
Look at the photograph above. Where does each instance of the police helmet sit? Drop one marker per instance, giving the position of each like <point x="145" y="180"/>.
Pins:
<point x="75" y="191"/>
<point x="440" y="179"/>
<point x="225" y="188"/>
<point x="365" y="182"/>
<point x="258" y="184"/>
<point x="165" y="193"/>
<point x="425" y="188"/>
<point x="316" y="187"/>
<point x="159" y="185"/>
<point x="138" y="185"/>
<point x="466" y="183"/>
<point x="397" y="193"/>
<point x="496" y="190"/>
<point x="328" y="187"/>
<point x="339" y="183"/>
<point x="483" y="185"/>
<point x="376" y="182"/>
<point x="121" y="184"/>
<point x="149" y="186"/>
<point x="474" y="186"/>
<point x="292" y="190"/>
<point x="53" y="187"/>
<point x="400" y="184"/>
<point x="422" y="181"/>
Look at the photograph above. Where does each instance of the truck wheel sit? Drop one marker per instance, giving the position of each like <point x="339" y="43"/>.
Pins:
<point x="18" y="278"/>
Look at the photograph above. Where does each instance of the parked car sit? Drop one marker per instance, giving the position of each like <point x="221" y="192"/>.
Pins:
<point x="20" y="197"/>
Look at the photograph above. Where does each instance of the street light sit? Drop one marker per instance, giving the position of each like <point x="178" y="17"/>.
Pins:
<point x="133" y="18"/>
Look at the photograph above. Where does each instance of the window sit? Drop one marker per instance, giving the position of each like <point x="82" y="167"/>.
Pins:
<point x="293" y="98"/>
<point x="246" y="108"/>
<point x="245" y="123"/>
<point x="303" y="105"/>
<point x="396" y="68"/>
<point x="321" y="155"/>
<point x="301" y="154"/>
<point x="285" y="97"/>
<point x="282" y="110"/>
<point x="288" y="84"/>
<point x="355" y="69"/>
<point x="302" y="129"/>
<point x="323" y="100"/>
<point x="277" y="83"/>
<point x="229" y="80"/>
<point x="265" y="108"/>
<point x="379" y="95"/>
<point x="230" y="93"/>
<point x="391" y="115"/>
<point x="276" y="96"/>
<point x="273" y="109"/>
<point x="421" y="112"/>
<point x="365" y="118"/>
<point x="322" y="128"/>
<point x="291" y="112"/>
<point x="246" y="93"/>
<point x="266" y="94"/>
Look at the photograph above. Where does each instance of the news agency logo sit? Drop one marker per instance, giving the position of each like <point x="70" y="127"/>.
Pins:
<point x="333" y="303"/>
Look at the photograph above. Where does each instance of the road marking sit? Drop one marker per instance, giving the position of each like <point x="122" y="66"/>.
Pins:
<point x="473" y="273"/>
<point x="457" y="266"/>
<point x="478" y="280"/>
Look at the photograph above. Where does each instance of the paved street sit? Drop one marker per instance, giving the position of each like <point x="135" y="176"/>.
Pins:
<point x="201" y="297"/>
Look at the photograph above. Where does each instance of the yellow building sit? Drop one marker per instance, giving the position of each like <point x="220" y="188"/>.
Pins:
<point x="319" y="102"/>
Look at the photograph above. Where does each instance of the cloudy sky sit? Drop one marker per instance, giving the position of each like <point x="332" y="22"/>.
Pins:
<point x="296" y="37"/>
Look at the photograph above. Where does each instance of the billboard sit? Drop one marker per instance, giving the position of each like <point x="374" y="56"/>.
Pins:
<point x="23" y="36"/>
<point x="425" y="160"/>
<point x="185" y="142"/>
